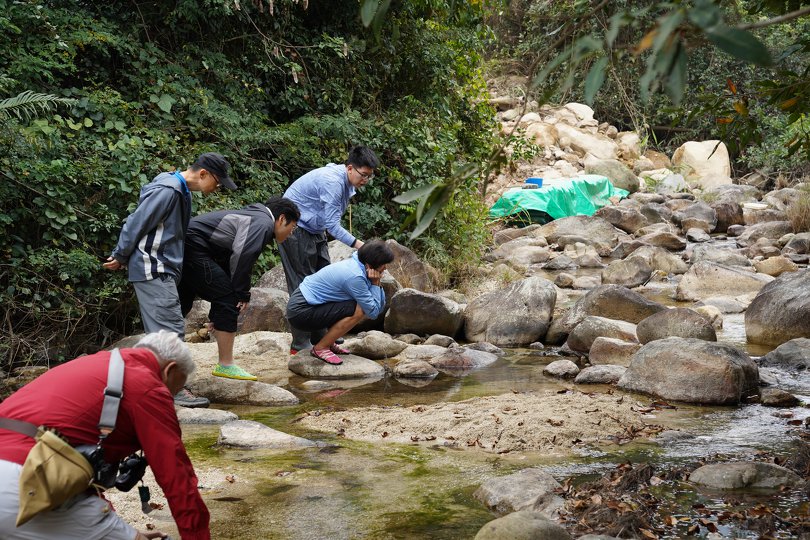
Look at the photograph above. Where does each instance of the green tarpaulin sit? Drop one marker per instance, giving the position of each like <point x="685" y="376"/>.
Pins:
<point x="580" y="196"/>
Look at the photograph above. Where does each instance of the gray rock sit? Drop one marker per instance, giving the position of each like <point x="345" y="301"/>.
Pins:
<point x="611" y="301"/>
<point x="563" y="280"/>
<point x="798" y="244"/>
<point x="793" y="355"/>
<point x="599" y="232"/>
<point x="514" y="316"/>
<point x="316" y="386"/>
<point x="409" y="339"/>
<point x="375" y="345"/>
<point x="627" y="219"/>
<point x="772" y="230"/>
<point x="735" y="230"/>
<point x="744" y="475"/>
<point x="462" y="358"/>
<point x="656" y="212"/>
<point x="728" y="213"/>
<point x="705" y="280"/>
<point x="612" y="351"/>
<point x="440" y="340"/>
<point x="421" y="352"/>
<point x="221" y="390"/>
<point x="774" y="397"/>
<point x="718" y="255"/>
<point x="603" y="374"/>
<point x="265" y="312"/>
<point x="775" y="266"/>
<point x="592" y="327"/>
<point x="205" y="416"/>
<point x="692" y="370"/>
<point x="198" y="316"/>
<point x="661" y="259"/>
<point x="631" y="272"/>
<point x="779" y="312"/>
<point x="739" y="194"/>
<point x="486" y="347"/>
<point x="522" y="525"/>
<point x="727" y="304"/>
<point x="618" y="173"/>
<point x="528" y="489"/>
<point x="564" y="369"/>
<point x="676" y="322"/>
<point x="694" y="234"/>
<point x="273" y="279"/>
<point x="353" y="367"/>
<point x="698" y="215"/>
<point x="250" y="434"/>
<point x="666" y="240"/>
<point x="409" y="271"/>
<point x="423" y="313"/>
<point x="415" y="369"/>
<point x="505" y="235"/>
<point x="560" y="262"/>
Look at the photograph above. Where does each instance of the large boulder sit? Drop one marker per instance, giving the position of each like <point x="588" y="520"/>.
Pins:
<point x="791" y="356"/>
<point x="660" y="259"/>
<point x="514" y="316"/>
<point x="616" y="171"/>
<point x="631" y="272"/>
<point x="413" y="311"/>
<point x="676" y="322"/>
<point x="712" y="254"/>
<point x="409" y="271"/>
<point x="664" y="239"/>
<point x="781" y="310"/>
<point x="623" y="217"/>
<point x="530" y="489"/>
<point x="198" y="316"/>
<point x="604" y="374"/>
<point x="273" y="279"/>
<point x="592" y="327"/>
<point x="523" y="525"/>
<point x="375" y="345"/>
<point x="749" y="474"/>
<point x="598" y="231"/>
<point x="772" y="230"/>
<point x="230" y="391"/>
<point x="353" y="367"/>
<point x="703" y="159"/>
<point x="583" y="143"/>
<point x="461" y="359"/>
<point x="692" y="370"/>
<point x="706" y="279"/>
<point x="699" y="215"/>
<point x="728" y="213"/>
<point x="610" y="301"/>
<point x="775" y="266"/>
<point x="612" y="351"/>
<point x="265" y="312"/>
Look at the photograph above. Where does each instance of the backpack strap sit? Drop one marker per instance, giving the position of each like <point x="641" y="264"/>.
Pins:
<point x="113" y="394"/>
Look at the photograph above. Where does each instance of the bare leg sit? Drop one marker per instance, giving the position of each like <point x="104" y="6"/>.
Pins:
<point x="225" y="346"/>
<point x="339" y="329"/>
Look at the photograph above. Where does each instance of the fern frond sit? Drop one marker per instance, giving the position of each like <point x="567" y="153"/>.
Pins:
<point x="28" y="104"/>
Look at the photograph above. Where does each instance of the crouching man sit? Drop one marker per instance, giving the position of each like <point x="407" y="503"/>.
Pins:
<point x="68" y="399"/>
<point x="339" y="296"/>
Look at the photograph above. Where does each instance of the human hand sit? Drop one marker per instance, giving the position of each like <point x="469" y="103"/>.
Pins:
<point x="374" y="276"/>
<point x="358" y="244"/>
<point x="150" y="535"/>
<point x="112" y="264"/>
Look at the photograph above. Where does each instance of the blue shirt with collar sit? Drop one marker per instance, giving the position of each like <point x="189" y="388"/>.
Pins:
<point x="322" y="195"/>
<point x="341" y="281"/>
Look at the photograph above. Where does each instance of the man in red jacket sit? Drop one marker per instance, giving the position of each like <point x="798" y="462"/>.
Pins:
<point x="69" y="398"/>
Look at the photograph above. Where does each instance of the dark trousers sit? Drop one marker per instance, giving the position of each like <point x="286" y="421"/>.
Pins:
<point x="302" y="254"/>
<point x="204" y="278"/>
<point x="316" y="318"/>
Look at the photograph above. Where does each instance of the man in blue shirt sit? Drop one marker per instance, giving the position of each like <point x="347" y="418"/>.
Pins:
<point x="339" y="296"/>
<point x="322" y="195"/>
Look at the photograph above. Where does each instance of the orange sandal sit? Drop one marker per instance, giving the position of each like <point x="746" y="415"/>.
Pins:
<point x="326" y="355"/>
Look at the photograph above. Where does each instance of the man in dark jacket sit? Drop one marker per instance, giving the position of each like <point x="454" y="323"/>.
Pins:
<point x="68" y="398"/>
<point x="221" y="249"/>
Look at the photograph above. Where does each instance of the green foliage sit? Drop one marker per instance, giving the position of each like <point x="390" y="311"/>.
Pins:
<point x="798" y="212"/>
<point x="278" y="87"/>
<point x="27" y="104"/>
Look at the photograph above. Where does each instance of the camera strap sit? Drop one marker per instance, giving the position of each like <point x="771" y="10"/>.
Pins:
<point x="109" y="410"/>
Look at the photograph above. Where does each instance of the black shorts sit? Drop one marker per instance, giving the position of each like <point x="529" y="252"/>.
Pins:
<point x="204" y="278"/>
<point x="311" y="318"/>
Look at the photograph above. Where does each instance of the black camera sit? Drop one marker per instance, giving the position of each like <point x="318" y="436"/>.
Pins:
<point x="104" y="473"/>
<point x="130" y="472"/>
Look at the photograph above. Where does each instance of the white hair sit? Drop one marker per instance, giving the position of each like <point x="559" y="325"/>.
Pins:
<point x="168" y="347"/>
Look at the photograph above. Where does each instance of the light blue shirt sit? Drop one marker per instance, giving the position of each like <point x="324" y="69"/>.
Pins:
<point x="341" y="281"/>
<point x="322" y="195"/>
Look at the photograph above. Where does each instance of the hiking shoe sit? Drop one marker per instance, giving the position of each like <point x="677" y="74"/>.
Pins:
<point x="326" y="355"/>
<point x="232" y="372"/>
<point x="184" y="398"/>
<point x="337" y="349"/>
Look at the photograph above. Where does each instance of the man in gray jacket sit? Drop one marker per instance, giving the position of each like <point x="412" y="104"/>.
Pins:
<point x="151" y="244"/>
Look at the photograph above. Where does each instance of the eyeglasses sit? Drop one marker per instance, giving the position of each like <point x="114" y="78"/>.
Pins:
<point x="366" y="176"/>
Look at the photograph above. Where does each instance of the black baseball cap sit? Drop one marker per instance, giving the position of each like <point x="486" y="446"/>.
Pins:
<point x="217" y="165"/>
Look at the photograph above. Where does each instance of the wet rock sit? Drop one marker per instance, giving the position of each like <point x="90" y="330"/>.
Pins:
<point x="564" y="369"/>
<point x="610" y="301"/>
<point x="486" y="347"/>
<point x="603" y="374"/>
<point x="514" y="316"/>
<point x="250" y="434"/>
<point x="353" y="367"/>
<point x="744" y="475"/>
<point x="221" y="390"/>
<point x="774" y="397"/>
<point x="528" y="489"/>
<point x="415" y="369"/>
<point x="630" y="272"/>
<point x="666" y="240"/>
<point x="791" y="356"/>
<point x="706" y="279"/>
<point x="522" y="525"/>
<point x="587" y="282"/>
<point x="265" y="312"/>
<point x="440" y="340"/>
<point x="676" y="322"/>
<point x="697" y="235"/>
<point x="779" y="312"/>
<point x="375" y="345"/>
<point x="592" y="327"/>
<point x="316" y="386"/>
<point x="561" y="262"/>
<point x="564" y="281"/>
<point x="423" y="313"/>
<point x="612" y="351"/>
<point x="410" y="339"/>
<point x="205" y="416"/>
<point x="775" y="266"/>
<point x="462" y="358"/>
<point x="772" y="230"/>
<point x="692" y="370"/>
<point x="728" y="304"/>
<point x="421" y="352"/>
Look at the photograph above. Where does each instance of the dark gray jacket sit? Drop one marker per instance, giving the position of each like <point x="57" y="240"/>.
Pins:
<point x="152" y="238"/>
